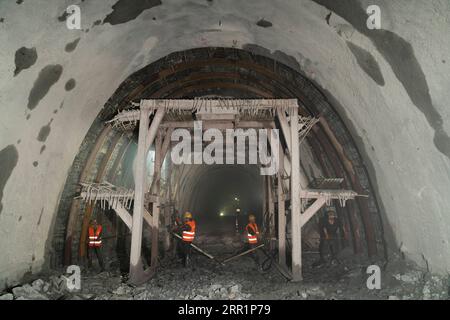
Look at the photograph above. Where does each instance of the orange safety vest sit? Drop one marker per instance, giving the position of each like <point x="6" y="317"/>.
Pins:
<point x="188" y="236"/>
<point x="94" y="237"/>
<point x="252" y="238"/>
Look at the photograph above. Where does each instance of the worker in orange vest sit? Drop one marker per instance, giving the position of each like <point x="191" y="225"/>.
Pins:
<point x="187" y="232"/>
<point x="253" y="237"/>
<point x="95" y="243"/>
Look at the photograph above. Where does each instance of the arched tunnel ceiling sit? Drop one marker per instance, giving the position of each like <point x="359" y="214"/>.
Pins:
<point x="389" y="88"/>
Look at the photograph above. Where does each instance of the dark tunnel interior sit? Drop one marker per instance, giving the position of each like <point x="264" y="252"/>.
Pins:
<point x="223" y="192"/>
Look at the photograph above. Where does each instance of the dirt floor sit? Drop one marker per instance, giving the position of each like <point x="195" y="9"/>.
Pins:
<point x="241" y="279"/>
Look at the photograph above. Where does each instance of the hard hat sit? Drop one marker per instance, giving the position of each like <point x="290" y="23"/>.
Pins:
<point x="187" y="215"/>
<point x="332" y="214"/>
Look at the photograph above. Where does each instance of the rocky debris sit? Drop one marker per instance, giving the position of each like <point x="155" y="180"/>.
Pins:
<point x="411" y="277"/>
<point x="240" y="279"/>
<point x="123" y="290"/>
<point x="7" y="296"/>
<point x="27" y="292"/>
<point x="315" y="292"/>
<point x="435" y="288"/>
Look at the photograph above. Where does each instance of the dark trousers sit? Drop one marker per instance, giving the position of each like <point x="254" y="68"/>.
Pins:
<point x="254" y="254"/>
<point x="98" y="254"/>
<point x="185" y="253"/>
<point x="331" y="245"/>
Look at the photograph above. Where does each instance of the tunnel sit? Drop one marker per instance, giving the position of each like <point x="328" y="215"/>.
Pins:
<point x="378" y="97"/>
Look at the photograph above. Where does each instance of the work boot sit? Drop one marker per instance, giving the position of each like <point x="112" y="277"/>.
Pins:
<point x="318" y="263"/>
<point x="335" y="261"/>
<point x="187" y="262"/>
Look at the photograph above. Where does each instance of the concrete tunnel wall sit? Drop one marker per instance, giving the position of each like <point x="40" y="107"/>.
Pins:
<point x="389" y="86"/>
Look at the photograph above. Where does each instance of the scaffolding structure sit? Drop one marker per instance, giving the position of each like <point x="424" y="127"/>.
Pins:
<point x="167" y="115"/>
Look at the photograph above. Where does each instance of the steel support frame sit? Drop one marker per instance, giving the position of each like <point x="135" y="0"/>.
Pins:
<point x="295" y="199"/>
<point x="281" y="212"/>
<point x="146" y="137"/>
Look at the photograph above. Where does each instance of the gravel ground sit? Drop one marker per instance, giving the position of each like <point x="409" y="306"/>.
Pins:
<point x="240" y="279"/>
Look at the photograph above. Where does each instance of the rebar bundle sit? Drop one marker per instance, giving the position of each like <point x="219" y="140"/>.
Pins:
<point x="109" y="195"/>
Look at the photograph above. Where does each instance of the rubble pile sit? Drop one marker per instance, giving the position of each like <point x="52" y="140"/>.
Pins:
<point x="240" y="279"/>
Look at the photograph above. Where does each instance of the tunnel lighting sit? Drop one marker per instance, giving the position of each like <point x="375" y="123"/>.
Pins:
<point x="221" y="214"/>
<point x="236" y="198"/>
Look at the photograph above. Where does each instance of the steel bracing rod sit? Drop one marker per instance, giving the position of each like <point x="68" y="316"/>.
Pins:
<point x="243" y="253"/>
<point x="309" y="213"/>
<point x="196" y="248"/>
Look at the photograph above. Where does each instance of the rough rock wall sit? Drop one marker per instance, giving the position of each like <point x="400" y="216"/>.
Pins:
<point x="390" y="87"/>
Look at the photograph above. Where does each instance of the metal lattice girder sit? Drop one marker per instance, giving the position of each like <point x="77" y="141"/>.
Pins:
<point x="243" y="106"/>
<point x="127" y="119"/>
<point x="107" y="194"/>
<point x="341" y="194"/>
<point x="326" y="183"/>
<point x="305" y="125"/>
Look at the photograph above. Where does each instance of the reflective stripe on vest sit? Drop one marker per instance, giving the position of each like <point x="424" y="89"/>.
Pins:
<point x="252" y="239"/>
<point x="188" y="236"/>
<point x="94" y="237"/>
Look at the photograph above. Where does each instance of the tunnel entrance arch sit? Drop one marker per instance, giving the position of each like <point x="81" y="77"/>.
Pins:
<point x="237" y="73"/>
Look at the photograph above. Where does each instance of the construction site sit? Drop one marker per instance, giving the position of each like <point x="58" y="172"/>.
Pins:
<point x="224" y="150"/>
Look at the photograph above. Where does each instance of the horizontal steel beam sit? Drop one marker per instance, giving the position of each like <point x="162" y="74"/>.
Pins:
<point x="210" y="124"/>
<point x="199" y="104"/>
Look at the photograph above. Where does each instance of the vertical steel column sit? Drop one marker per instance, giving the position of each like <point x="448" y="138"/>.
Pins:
<point x="295" y="198"/>
<point x="156" y="204"/>
<point x="264" y="208"/>
<point x="270" y="208"/>
<point x="281" y="212"/>
<point x="136" y="267"/>
<point x="146" y="137"/>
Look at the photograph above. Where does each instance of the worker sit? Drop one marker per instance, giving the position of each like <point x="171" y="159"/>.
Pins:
<point x="95" y="243"/>
<point x="187" y="232"/>
<point x="253" y="237"/>
<point x="330" y="230"/>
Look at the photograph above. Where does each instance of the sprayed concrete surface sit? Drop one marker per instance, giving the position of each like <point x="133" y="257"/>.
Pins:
<point x="390" y="87"/>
